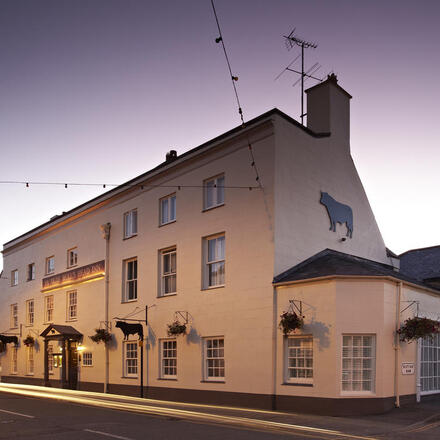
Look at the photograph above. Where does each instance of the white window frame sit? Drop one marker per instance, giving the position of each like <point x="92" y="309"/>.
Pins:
<point x="14" y="277"/>
<point x="429" y="364"/>
<point x="87" y="359"/>
<point x="208" y="264"/>
<point x="127" y="282"/>
<point x="30" y="360"/>
<point x="164" y="276"/>
<point x="50" y="265"/>
<point x="214" y="358"/>
<point x="130" y="223"/>
<point x="30" y="312"/>
<point x="48" y="311"/>
<point x="14" y="315"/>
<point x="298" y="359"/>
<point x="214" y="192"/>
<point x="14" y="360"/>
<point x="167" y="209"/>
<point x="31" y="272"/>
<point x="72" y="305"/>
<point x="353" y="371"/>
<point x="72" y="257"/>
<point x="168" y="358"/>
<point x="127" y="359"/>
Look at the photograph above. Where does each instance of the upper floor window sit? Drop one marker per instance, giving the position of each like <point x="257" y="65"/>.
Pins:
<point x="358" y="363"/>
<point x="72" y="257"/>
<point x="168" y="209"/>
<point x="50" y="265"/>
<point x="214" y="192"/>
<point x="31" y="272"/>
<point x="214" y="358"/>
<point x="168" y="271"/>
<point x="298" y="359"/>
<point x="48" y="308"/>
<point x="30" y="312"/>
<point x="72" y="305"/>
<point x="130" y="223"/>
<point x="214" y="268"/>
<point x="14" y="277"/>
<point x="130" y="280"/>
<point x="14" y="315"/>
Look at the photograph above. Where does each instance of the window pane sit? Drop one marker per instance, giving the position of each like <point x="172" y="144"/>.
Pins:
<point x="220" y="190"/>
<point x="164" y="204"/>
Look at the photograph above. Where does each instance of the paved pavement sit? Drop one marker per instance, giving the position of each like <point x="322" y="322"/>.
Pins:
<point x="410" y="422"/>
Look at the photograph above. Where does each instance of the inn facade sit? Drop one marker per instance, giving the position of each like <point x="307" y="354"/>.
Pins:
<point x="267" y="218"/>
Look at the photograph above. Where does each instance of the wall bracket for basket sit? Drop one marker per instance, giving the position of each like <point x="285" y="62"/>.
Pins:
<point x="295" y="306"/>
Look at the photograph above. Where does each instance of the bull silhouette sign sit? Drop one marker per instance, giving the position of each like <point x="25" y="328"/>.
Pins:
<point x="338" y="213"/>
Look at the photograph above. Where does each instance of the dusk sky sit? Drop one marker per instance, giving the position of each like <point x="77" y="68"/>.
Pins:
<point x="97" y="91"/>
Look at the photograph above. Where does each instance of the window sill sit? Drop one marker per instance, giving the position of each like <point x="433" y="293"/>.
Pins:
<point x="72" y="320"/>
<point x="30" y="280"/>
<point x="167" y="378"/>
<point x="29" y="325"/>
<point x="212" y="207"/>
<point x="358" y="394"/>
<point x="71" y="267"/>
<point x="212" y="381"/>
<point x="129" y="377"/>
<point x="207" y="289"/>
<point x="167" y="223"/>
<point x="126" y="301"/>
<point x="167" y="295"/>
<point x="297" y="384"/>
<point x="86" y="366"/>
<point x="128" y="238"/>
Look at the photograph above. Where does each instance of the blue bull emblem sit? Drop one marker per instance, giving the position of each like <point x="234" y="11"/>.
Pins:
<point x="338" y="213"/>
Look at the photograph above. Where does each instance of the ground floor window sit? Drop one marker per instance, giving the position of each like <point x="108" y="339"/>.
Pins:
<point x="30" y="360"/>
<point x="358" y="363"/>
<point x="430" y="364"/>
<point x="299" y="359"/>
<point x="168" y="359"/>
<point x="87" y="359"/>
<point x="214" y="358"/>
<point x="131" y="359"/>
<point x="14" y="353"/>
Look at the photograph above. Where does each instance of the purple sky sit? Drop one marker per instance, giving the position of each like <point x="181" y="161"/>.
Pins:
<point x="100" y="90"/>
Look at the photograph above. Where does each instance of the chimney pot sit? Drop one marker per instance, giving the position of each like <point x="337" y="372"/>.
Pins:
<point x="171" y="155"/>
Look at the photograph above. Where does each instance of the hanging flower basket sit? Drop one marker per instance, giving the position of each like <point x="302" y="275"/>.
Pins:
<point x="176" y="329"/>
<point x="29" y="341"/>
<point x="290" y="321"/>
<point x="415" y="328"/>
<point x="101" y="335"/>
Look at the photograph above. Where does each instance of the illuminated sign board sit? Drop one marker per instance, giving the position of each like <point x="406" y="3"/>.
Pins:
<point x="79" y="275"/>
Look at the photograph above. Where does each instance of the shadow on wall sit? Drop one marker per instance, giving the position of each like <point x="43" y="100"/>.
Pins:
<point x="193" y="337"/>
<point x="320" y="331"/>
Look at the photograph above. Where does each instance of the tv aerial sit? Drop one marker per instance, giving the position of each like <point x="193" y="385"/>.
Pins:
<point x="291" y="41"/>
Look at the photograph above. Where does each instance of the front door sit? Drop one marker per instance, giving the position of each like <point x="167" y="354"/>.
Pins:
<point x="72" y="366"/>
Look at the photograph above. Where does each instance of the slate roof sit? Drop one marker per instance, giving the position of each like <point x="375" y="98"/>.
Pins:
<point x="422" y="264"/>
<point x="332" y="263"/>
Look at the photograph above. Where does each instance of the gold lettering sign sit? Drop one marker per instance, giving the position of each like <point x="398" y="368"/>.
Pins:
<point x="82" y="274"/>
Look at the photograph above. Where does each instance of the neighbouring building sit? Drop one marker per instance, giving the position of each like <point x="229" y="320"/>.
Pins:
<point x="270" y="217"/>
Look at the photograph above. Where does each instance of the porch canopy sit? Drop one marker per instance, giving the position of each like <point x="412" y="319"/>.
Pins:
<point x="61" y="332"/>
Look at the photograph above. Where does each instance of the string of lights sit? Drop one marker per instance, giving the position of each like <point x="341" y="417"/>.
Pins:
<point x="234" y="79"/>
<point x="29" y="183"/>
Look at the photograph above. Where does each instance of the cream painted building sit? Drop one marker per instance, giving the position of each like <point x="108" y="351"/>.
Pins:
<point x="224" y="238"/>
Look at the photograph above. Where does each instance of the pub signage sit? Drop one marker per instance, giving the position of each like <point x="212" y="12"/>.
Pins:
<point x="74" y="276"/>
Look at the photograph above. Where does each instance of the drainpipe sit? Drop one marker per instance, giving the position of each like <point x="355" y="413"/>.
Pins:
<point x="397" y="346"/>
<point x="274" y="348"/>
<point x="418" y="367"/>
<point x="105" y="229"/>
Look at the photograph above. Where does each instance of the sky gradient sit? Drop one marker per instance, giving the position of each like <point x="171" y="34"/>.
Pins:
<point x="99" y="91"/>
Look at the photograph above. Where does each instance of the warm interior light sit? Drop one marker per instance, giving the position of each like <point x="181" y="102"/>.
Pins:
<point x="80" y="348"/>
